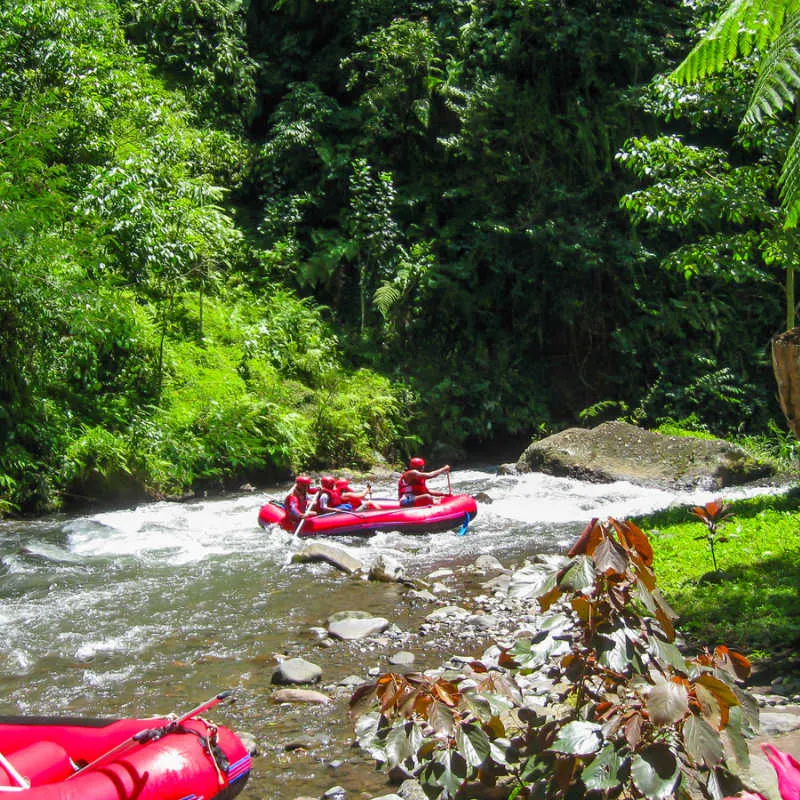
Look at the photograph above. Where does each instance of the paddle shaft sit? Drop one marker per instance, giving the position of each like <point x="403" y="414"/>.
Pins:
<point x="149" y="733"/>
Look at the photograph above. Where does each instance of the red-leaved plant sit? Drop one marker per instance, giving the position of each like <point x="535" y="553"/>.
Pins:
<point x="597" y="699"/>
<point x="712" y="515"/>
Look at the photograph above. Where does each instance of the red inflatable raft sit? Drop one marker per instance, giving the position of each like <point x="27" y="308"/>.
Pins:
<point x="162" y="758"/>
<point x="452" y="511"/>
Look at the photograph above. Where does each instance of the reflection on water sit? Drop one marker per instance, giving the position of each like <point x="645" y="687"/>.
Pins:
<point x="154" y="609"/>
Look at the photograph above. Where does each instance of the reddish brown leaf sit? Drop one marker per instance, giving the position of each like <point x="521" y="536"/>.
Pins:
<point x="446" y="692"/>
<point x="361" y="699"/>
<point x="610" y="558"/>
<point x="634" y="538"/>
<point x="587" y="540"/>
<point x="547" y="599"/>
<point x="732" y="662"/>
<point x="633" y="730"/>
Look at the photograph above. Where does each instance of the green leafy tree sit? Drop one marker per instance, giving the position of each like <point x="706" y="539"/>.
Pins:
<point x="771" y="30"/>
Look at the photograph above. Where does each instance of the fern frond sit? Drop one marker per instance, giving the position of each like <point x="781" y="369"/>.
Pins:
<point x="745" y="24"/>
<point x="385" y="298"/>
<point x="778" y="75"/>
<point x="790" y="183"/>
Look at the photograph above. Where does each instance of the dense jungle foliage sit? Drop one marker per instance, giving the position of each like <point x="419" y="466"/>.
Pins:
<point x="243" y="237"/>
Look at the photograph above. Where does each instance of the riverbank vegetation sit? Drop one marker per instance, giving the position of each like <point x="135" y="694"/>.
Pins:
<point x="750" y="601"/>
<point x="594" y="696"/>
<point x="243" y="238"/>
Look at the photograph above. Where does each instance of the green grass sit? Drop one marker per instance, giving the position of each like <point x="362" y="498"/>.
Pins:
<point x="753" y="603"/>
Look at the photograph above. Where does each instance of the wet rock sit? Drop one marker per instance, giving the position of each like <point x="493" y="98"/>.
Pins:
<point x="388" y="570"/>
<point x="300" y="696"/>
<point x="774" y="723"/>
<point x="296" y="670"/>
<point x="322" y="551"/>
<point x="350" y="614"/>
<point x="486" y="563"/>
<point x="334" y="793"/>
<point x="437" y="574"/>
<point x="484" y="622"/>
<point x="402" y="659"/>
<point x="249" y="742"/>
<point x="448" y="613"/>
<point x="353" y="629"/>
<point x="424" y="595"/>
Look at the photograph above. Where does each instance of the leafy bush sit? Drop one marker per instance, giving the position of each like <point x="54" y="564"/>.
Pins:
<point x="356" y="418"/>
<point x="624" y="712"/>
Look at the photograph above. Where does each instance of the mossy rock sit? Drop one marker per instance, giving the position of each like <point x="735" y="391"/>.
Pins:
<point x="617" y="451"/>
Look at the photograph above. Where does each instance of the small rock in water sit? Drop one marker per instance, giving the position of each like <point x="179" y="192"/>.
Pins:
<point x="403" y="658"/>
<point x="296" y="670"/>
<point x="351" y="629"/>
<point x="334" y="793"/>
<point x="300" y="696"/>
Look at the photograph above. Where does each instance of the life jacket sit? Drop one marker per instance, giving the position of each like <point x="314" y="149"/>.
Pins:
<point x="333" y="499"/>
<point x="295" y="505"/>
<point x="410" y="486"/>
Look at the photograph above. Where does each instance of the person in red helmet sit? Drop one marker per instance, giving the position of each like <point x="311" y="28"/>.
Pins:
<point x="351" y="499"/>
<point x="412" y="488"/>
<point x="327" y="497"/>
<point x="296" y="502"/>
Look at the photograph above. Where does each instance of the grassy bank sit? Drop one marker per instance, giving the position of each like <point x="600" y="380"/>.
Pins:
<point x="752" y="603"/>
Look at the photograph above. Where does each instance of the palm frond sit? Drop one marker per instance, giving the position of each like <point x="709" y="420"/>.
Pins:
<point x="778" y="74"/>
<point x="790" y="183"/>
<point x="745" y="24"/>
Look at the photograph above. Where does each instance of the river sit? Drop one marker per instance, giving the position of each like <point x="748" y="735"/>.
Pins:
<point x="146" y="611"/>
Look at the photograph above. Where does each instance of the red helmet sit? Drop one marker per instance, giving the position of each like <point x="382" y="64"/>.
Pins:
<point x="327" y="482"/>
<point x="342" y="483"/>
<point x="303" y="480"/>
<point x="416" y="463"/>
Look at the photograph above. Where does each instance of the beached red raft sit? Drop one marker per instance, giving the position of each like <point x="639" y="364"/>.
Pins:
<point x="453" y="511"/>
<point x="161" y="758"/>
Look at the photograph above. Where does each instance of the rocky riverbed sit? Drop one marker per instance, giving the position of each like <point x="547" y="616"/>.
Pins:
<point x="449" y="617"/>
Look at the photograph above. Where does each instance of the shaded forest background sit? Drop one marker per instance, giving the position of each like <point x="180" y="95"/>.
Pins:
<point x="243" y="238"/>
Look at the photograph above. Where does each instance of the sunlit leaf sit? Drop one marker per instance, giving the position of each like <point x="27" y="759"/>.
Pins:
<point x="400" y="744"/>
<point x="601" y="774"/>
<point x="723" y="696"/>
<point x="441" y="718"/>
<point x="667" y="703"/>
<point x="735" y="736"/>
<point x="578" y="738"/>
<point x="579" y="575"/>
<point x="702" y="741"/>
<point x="473" y="744"/>
<point x="655" y="771"/>
<point x="446" y="692"/>
<point x="615" y="650"/>
<point x="610" y="558"/>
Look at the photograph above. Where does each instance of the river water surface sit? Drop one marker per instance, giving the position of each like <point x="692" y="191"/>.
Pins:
<point x="155" y="609"/>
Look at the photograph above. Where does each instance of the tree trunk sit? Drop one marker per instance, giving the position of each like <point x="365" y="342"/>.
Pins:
<point x="786" y="366"/>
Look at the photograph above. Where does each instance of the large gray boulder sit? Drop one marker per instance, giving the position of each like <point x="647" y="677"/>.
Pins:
<point x="616" y="451"/>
